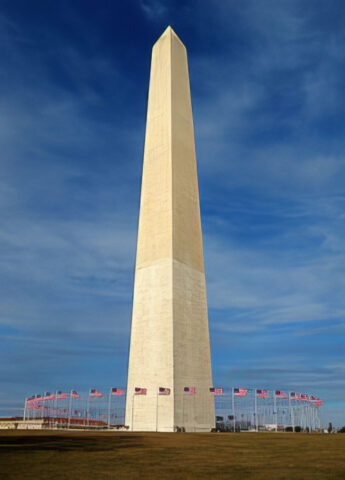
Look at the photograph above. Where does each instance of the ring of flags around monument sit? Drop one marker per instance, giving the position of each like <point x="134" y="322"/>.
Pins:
<point x="33" y="402"/>
<point x="235" y="408"/>
<point x="238" y="407"/>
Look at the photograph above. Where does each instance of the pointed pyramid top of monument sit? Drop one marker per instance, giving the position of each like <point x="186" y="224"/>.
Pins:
<point x="170" y="31"/>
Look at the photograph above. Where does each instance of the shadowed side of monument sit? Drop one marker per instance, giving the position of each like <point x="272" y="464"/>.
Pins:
<point x="169" y="346"/>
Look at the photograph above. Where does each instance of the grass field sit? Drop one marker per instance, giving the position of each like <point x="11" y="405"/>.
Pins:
<point x="97" y="456"/>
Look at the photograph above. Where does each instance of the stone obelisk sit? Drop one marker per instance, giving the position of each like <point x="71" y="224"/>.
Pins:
<point x="169" y="347"/>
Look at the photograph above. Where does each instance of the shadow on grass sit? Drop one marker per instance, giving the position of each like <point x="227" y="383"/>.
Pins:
<point x="61" y="443"/>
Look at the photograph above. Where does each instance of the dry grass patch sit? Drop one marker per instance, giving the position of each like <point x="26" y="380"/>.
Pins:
<point x="89" y="456"/>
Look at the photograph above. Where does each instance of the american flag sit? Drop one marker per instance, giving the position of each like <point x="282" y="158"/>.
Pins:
<point x="304" y="396"/>
<point x="293" y="396"/>
<point x="216" y="391"/>
<point x="95" y="393"/>
<point x="75" y="394"/>
<point x="240" y="392"/>
<point x="316" y="401"/>
<point x="48" y="396"/>
<point x="190" y="390"/>
<point x="60" y="395"/>
<point x="163" y="391"/>
<point x="140" y="391"/>
<point x="280" y="394"/>
<point x="261" y="393"/>
<point x="31" y="402"/>
<point x="117" y="391"/>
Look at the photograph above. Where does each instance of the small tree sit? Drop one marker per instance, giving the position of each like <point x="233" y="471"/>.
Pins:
<point x="330" y="427"/>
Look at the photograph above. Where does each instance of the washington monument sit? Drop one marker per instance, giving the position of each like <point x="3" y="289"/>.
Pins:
<point x="169" y="372"/>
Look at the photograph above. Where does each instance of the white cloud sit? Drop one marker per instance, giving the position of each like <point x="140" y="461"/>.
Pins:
<point x="154" y="9"/>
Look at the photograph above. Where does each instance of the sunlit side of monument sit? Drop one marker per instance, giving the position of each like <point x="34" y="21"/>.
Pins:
<point x="169" y="373"/>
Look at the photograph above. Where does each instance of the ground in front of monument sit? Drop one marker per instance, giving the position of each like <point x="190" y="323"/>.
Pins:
<point x="87" y="455"/>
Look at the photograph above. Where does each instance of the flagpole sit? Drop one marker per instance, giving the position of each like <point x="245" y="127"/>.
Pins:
<point x="256" y="411"/>
<point x="69" y="409"/>
<point x="182" y="409"/>
<point x="315" y="418"/>
<point x="233" y="407"/>
<point x="87" y="410"/>
<point x="307" y="420"/>
<point x="305" y="416"/>
<point x="24" y="416"/>
<point x="311" y="417"/>
<point x="133" y="410"/>
<point x="124" y="409"/>
<point x="302" y="417"/>
<point x="55" y="408"/>
<point x="109" y="401"/>
<point x="44" y="405"/>
<point x="194" y="408"/>
<point x="275" y="408"/>
<point x="48" y="409"/>
<point x="157" y="412"/>
<point x="41" y="408"/>
<point x="292" y="414"/>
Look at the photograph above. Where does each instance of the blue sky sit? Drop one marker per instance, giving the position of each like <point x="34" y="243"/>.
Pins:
<point x="267" y="83"/>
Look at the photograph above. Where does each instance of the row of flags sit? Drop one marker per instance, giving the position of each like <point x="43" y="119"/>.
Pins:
<point x="238" y="392"/>
<point x="242" y="392"/>
<point x="166" y="391"/>
<point x="59" y="395"/>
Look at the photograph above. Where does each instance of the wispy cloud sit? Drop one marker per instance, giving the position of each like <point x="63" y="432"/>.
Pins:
<point x="154" y="9"/>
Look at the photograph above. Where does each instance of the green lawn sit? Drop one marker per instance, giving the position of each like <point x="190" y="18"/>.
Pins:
<point x="98" y="456"/>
